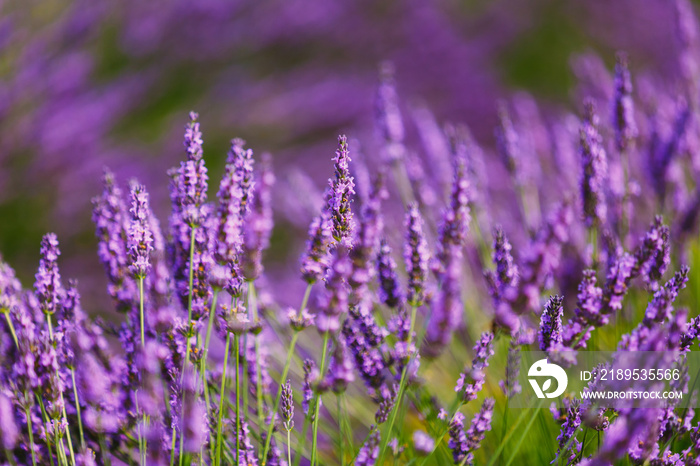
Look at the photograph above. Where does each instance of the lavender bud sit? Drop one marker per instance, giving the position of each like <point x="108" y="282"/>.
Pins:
<point x="370" y="450"/>
<point x="49" y="291"/>
<point x="623" y="105"/>
<point x="423" y="444"/>
<point x="311" y="376"/>
<point x="288" y="405"/>
<point x="139" y="235"/>
<point x="389" y="287"/>
<point x="340" y="197"/>
<point x="416" y="257"/>
<point x="471" y="381"/>
<point x="550" y="334"/>
<point x="314" y="262"/>
<point x="594" y="169"/>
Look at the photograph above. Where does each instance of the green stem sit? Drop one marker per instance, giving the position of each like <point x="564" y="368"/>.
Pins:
<point x="30" y="432"/>
<point x="340" y="426"/>
<point x="103" y="449"/>
<point x="289" y="447"/>
<point x="70" y="443"/>
<point x="143" y="334"/>
<point x="222" y="397"/>
<point x="12" y="327"/>
<point x="285" y="371"/>
<point x="302" y="440"/>
<point x="77" y="409"/>
<point x="203" y="362"/>
<point x="46" y="421"/>
<point x="238" y="399"/>
<point x="253" y="303"/>
<point x="317" y="404"/>
<point x="189" y="300"/>
<point x="522" y="437"/>
<point x="402" y="389"/>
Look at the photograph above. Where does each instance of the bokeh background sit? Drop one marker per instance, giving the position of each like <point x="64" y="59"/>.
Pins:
<point x="86" y="84"/>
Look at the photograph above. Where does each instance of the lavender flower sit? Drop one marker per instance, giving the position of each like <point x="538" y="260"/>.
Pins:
<point x="369" y="452"/>
<point x="550" y="334"/>
<point x="389" y="287"/>
<point x="9" y="432"/>
<point x="139" y="235"/>
<point x="464" y="444"/>
<point x="288" y="405"/>
<point x="49" y="290"/>
<point x="416" y="257"/>
<point x="447" y="308"/>
<point x="510" y="384"/>
<point x="388" y="115"/>
<point x="455" y="221"/>
<point x="594" y="169"/>
<point x="653" y="255"/>
<point x="506" y="275"/>
<point x="109" y="217"/>
<point x="340" y="373"/>
<point x="471" y="381"/>
<point x="311" y="375"/>
<point x="315" y="259"/>
<point x="340" y="197"/>
<point x="258" y="225"/>
<point x="623" y="105"/>
<point x="367" y="237"/>
<point x="423" y="444"/>
<point x="336" y="297"/>
<point x="568" y="432"/>
<point x="364" y="339"/>
<point x="246" y="452"/>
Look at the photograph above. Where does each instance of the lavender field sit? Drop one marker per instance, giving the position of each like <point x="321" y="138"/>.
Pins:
<point x="349" y="234"/>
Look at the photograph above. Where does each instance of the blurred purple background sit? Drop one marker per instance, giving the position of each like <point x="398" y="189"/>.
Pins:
<point x="87" y="84"/>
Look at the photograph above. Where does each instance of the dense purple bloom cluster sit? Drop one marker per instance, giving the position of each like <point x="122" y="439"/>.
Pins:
<point x="200" y="325"/>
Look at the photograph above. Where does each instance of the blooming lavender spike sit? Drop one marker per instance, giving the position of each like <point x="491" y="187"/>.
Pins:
<point x="447" y="307"/>
<point x="314" y="262"/>
<point x="364" y="339"/>
<point x="506" y="270"/>
<point x="10" y="288"/>
<point x="335" y="301"/>
<point x="568" y="432"/>
<point x="340" y="373"/>
<point x="464" y="444"/>
<point x="109" y="216"/>
<point x="510" y="384"/>
<point x="455" y="221"/>
<point x="550" y="334"/>
<point x="416" y="257"/>
<point x="653" y="255"/>
<point x="9" y="432"/>
<point x="139" y="235"/>
<point x="49" y="290"/>
<point x="389" y="288"/>
<point x="423" y="443"/>
<point x="369" y="452"/>
<point x="470" y="381"/>
<point x="388" y="115"/>
<point x="258" y="226"/>
<point x="623" y="105"/>
<point x="246" y="452"/>
<point x="367" y="237"/>
<point x="594" y="169"/>
<point x="340" y="197"/>
<point x="288" y="405"/>
<point x="311" y="375"/>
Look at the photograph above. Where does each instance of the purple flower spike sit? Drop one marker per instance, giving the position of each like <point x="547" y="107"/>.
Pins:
<point x="9" y="432"/>
<point x="287" y="404"/>
<point x="416" y="257"/>
<point x="455" y="221"/>
<point x="367" y="237"/>
<point x="314" y="262"/>
<point x="388" y="115"/>
<point x="110" y="219"/>
<point x="447" y="308"/>
<point x="49" y="291"/>
<point x="370" y="450"/>
<point x="342" y="188"/>
<point x="258" y="225"/>
<point x="389" y="288"/>
<point x="568" y="431"/>
<point x="340" y="373"/>
<point x="470" y="381"/>
<point x="10" y="288"/>
<point x="594" y="169"/>
<point x="423" y="443"/>
<point x="653" y="255"/>
<point x="510" y="384"/>
<point x="139" y="235"/>
<point x="311" y="375"/>
<point x="623" y="105"/>
<point x="336" y="298"/>
<point x="464" y="444"/>
<point x="550" y="334"/>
